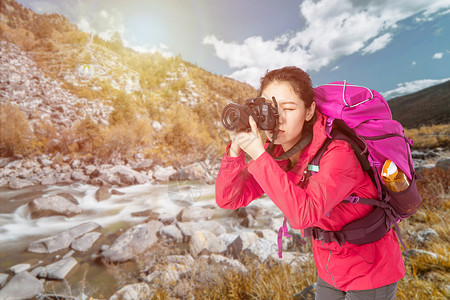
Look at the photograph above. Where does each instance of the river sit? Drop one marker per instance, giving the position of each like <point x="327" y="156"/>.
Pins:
<point x="18" y="229"/>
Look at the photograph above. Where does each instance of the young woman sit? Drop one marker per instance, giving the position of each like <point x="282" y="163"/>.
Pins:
<point x="346" y="271"/>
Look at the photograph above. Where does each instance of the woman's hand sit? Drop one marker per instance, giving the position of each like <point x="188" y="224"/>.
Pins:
<point x="250" y="142"/>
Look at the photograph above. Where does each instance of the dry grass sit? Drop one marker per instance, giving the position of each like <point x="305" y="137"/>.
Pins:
<point x="430" y="136"/>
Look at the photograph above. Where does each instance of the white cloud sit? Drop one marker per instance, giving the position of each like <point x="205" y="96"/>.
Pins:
<point x="411" y="87"/>
<point x="378" y="43"/>
<point x="334" y="28"/>
<point x="438" y="55"/>
<point x="413" y="63"/>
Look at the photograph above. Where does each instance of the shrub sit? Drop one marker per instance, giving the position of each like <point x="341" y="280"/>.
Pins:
<point x="15" y="131"/>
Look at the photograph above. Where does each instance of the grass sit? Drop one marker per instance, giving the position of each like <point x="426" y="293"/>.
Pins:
<point x="427" y="276"/>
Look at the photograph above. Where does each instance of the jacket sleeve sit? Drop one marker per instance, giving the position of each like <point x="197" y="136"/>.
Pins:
<point x="235" y="186"/>
<point x="336" y="179"/>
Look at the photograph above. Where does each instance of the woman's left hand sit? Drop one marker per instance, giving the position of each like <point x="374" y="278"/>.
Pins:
<point x="251" y="141"/>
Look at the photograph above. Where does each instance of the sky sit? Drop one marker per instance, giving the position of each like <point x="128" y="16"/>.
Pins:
<point x="393" y="46"/>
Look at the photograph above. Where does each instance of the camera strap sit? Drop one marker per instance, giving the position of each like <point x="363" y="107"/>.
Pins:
<point x="304" y="141"/>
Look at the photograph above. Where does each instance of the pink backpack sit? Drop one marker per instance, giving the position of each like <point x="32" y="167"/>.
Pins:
<point x="362" y="117"/>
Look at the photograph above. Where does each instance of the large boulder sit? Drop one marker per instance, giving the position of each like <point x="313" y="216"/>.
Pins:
<point x="52" y="206"/>
<point x="22" y="286"/>
<point x="133" y="242"/>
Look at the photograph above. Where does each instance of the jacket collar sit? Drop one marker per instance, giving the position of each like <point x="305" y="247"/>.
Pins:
<point x="319" y="137"/>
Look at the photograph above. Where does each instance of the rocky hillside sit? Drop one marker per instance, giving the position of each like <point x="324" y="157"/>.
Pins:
<point x="430" y="106"/>
<point x="83" y="96"/>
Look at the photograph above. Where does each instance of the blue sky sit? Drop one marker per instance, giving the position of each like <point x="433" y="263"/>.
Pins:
<point x="393" y="46"/>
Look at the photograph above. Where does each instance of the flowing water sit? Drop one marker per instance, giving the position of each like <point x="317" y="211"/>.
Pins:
<point x="18" y="229"/>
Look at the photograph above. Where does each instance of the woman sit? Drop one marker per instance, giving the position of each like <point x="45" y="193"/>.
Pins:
<point x="345" y="271"/>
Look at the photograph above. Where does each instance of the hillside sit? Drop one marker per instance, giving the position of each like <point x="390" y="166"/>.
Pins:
<point x="430" y="106"/>
<point x="67" y="92"/>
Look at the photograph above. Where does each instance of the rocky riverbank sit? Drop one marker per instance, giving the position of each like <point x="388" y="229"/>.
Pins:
<point x="172" y="245"/>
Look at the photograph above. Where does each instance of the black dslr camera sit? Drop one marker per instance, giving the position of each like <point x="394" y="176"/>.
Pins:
<point x="235" y="116"/>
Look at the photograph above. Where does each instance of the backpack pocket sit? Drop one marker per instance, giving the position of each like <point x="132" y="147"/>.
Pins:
<point x="406" y="202"/>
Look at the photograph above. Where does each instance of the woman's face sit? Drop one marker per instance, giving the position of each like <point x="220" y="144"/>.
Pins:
<point x="293" y="113"/>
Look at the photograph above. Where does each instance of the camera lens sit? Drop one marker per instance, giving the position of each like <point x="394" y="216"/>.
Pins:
<point x="230" y="117"/>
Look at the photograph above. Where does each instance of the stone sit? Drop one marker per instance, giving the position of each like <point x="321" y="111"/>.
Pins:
<point x="52" y="206"/>
<point x="102" y="193"/>
<point x="163" y="174"/>
<point x="188" y="228"/>
<point x="172" y="232"/>
<point x="20" y="268"/>
<point x="133" y="242"/>
<point x="242" y="242"/>
<point x="426" y="235"/>
<point x="17" y="183"/>
<point x="62" y="240"/>
<point x="199" y="241"/>
<point x="22" y="286"/>
<point x="261" y="249"/>
<point x="195" y="213"/>
<point x="229" y="263"/>
<point x="3" y="279"/>
<point x="444" y="164"/>
<point x="132" y="292"/>
<point x="58" y="270"/>
<point x="79" y="176"/>
<point x="85" y="242"/>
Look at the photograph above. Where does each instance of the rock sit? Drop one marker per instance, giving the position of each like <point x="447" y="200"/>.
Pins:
<point x="150" y="214"/>
<point x="51" y="244"/>
<point x="188" y="228"/>
<point x="102" y="193"/>
<point x="229" y="264"/>
<point x="220" y="243"/>
<point x="195" y="171"/>
<point x="3" y="278"/>
<point x="172" y="232"/>
<point x="62" y="240"/>
<point x="444" y="164"/>
<point x="261" y="249"/>
<point x="199" y="241"/>
<point x="122" y="175"/>
<point x="90" y="170"/>
<point x="144" y="165"/>
<point x="132" y="292"/>
<point x="163" y="174"/>
<point x="133" y="242"/>
<point x="167" y="218"/>
<point x="294" y="259"/>
<point x="85" y="242"/>
<point x="242" y="242"/>
<point x="195" y="213"/>
<point x="426" y="235"/>
<point x="20" y="268"/>
<point x="22" y="286"/>
<point x="49" y="180"/>
<point x="52" y="206"/>
<point x="17" y="183"/>
<point x="58" y="270"/>
<point x="248" y="221"/>
<point x="79" y="176"/>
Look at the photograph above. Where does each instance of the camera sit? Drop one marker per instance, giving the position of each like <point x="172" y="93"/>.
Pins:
<point x="235" y="116"/>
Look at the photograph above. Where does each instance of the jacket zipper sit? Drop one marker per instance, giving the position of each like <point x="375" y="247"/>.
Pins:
<point x="326" y="266"/>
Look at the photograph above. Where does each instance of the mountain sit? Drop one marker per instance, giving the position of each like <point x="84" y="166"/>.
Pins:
<point x="69" y="92"/>
<point x="430" y="106"/>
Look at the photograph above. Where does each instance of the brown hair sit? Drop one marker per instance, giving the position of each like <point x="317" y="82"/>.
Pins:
<point x="300" y="83"/>
<point x="298" y="79"/>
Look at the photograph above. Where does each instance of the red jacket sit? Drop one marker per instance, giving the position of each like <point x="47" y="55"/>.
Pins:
<point x="346" y="267"/>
